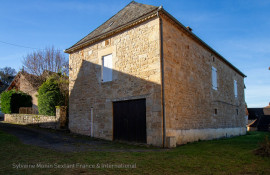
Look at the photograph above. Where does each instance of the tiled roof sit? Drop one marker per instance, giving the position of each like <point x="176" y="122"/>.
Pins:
<point x="130" y="13"/>
<point x="34" y="80"/>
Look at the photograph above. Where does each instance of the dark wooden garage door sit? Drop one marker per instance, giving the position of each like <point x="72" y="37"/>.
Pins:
<point x="129" y="122"/>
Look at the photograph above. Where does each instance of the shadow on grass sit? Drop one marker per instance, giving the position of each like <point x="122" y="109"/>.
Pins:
<point x="206" y="157"/>
<point x="62" y="140"/>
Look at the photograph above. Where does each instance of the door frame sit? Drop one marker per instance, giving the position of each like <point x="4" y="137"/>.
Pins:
<point x="129" y="99"/>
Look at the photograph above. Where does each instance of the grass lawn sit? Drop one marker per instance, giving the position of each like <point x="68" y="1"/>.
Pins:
<point x="224" y="156"/>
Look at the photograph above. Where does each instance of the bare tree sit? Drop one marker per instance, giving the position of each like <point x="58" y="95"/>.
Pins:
<point x="7" y="74"/>
<point x="47" y="60"/>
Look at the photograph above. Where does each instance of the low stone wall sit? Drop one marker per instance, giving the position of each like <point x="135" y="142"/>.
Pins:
<point x="40" y="120"/>
<point x="44" y="121"/>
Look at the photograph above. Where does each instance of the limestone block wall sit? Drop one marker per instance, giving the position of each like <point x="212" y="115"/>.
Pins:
<point x="136" y="74"/>
<point x="190" y="100"/>
<point x="44" y="121"/>
<point x="266" y="110"/>
<point x="32" y="119"/>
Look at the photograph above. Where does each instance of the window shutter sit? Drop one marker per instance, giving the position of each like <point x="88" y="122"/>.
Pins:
<point x="235" y="88"/>
<point x="107" y="68"/>
<point x="214" y="78"/>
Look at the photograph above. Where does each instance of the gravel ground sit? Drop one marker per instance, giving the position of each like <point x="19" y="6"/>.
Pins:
<point x="67" y="142"/>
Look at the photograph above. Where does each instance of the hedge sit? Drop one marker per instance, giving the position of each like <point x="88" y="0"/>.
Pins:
<point x="49" y="96"/>
<point x="12" y="100"/>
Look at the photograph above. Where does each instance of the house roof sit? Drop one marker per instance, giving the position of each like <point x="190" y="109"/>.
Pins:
<point x="133" y="14"/>
<point x="33" y="79"/>
<point x="253" y="123"/>
<point x="130" y="13"/>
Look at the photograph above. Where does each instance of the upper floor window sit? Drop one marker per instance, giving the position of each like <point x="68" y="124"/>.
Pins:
<point x="107" y="68"/>
<point x="214" y="78"/>
<point x="235" y="88"/>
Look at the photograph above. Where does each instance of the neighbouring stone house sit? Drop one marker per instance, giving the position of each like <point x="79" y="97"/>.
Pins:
<point x="259" y="119"/>
<point x="29" y="84"/>
<point x="142" y="76"/>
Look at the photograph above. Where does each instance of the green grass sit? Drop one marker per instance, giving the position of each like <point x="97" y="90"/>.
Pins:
<point x="224" y="156"/>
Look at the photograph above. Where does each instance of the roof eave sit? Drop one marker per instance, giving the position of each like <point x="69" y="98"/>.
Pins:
<point x="18" y="74"/>
<point x="142" y="19"/>
<point x="114" y="31"/>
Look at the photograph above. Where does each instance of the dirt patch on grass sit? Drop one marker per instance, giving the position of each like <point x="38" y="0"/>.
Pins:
<point x="264" y="149"/>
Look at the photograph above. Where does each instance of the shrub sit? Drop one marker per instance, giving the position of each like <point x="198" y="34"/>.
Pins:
<point x="264" y="149"/>
<point x="11" y="101"/>
<point x="49" y="96"/>
<point x="5" y="102"/>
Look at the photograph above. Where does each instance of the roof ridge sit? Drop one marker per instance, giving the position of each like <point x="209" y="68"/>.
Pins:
<point x="101" y="24"/>
<point x="81" y="41"/>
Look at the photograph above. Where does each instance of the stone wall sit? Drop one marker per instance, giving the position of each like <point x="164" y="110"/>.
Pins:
<point x="136" y="74"/>
<point x="62" y="116"/>
<point x="44" y="121"/>
<point x="190" y="100"/>
<point x="189" y="97"/>
<point x="266" y="110"/>
<point x="28" y="88"/>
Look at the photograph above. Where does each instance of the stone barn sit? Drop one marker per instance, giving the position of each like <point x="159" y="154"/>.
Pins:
<point x="29" y="84"/>
<point x="142" y="76"/>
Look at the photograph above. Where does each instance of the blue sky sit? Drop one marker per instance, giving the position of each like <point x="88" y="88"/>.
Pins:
<point x="237" y="29"/>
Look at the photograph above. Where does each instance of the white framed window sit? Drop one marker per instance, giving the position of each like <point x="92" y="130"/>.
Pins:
<point x="214" y="78"/>
<point x="235" y="88"/>
<point x="107" y="68"/>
